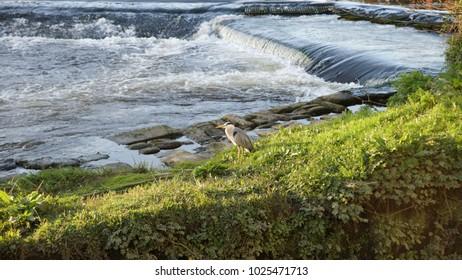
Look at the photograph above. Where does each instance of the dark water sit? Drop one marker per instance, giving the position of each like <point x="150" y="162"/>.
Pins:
<point x="74" y="72"/>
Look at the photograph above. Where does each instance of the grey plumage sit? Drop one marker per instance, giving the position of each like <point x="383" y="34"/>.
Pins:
<point x="237" y="136"/>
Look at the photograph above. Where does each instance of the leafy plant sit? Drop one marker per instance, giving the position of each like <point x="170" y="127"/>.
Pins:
<point x="407" y="84"/>
<point x="18" y="214"/>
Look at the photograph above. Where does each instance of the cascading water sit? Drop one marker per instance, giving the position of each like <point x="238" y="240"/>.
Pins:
<point x="365" y="54"/>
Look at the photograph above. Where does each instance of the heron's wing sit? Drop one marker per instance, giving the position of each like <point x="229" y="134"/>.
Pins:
<point x="242" y="139"/>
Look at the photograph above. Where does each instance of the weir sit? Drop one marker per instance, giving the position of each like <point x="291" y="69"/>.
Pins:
<point x="400" y="16"/>
<point x="288" y="8"/>
<point x="332" y="63"/>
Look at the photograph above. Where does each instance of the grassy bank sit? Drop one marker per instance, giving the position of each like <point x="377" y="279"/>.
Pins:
<point x="373" y="185"/>
<point x="370" y="185"/>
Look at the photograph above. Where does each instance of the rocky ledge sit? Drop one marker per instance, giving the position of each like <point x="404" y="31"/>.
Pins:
<point x="167" y="143"/>
<point x="154" y="139"/>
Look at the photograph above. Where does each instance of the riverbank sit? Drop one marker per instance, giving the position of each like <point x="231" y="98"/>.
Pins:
<point x="201" y="140"/>
<point x="370" y="185"/>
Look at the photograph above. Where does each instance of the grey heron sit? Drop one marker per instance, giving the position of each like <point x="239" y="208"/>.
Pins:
<point x="237" y="136"/>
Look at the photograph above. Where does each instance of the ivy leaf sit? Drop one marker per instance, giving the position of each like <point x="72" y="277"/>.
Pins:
<point x="5" y="197"/>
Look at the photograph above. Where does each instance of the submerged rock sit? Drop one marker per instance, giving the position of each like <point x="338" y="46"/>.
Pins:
<point x="150" y="150"/>
<point x="168" y="145"/>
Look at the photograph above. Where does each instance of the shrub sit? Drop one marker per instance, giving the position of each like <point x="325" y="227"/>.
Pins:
<point x="407" y="84"/>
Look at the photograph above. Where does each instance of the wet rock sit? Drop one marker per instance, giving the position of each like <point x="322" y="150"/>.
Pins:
<point x="318" y="111"/>
<point x="117" y="167"/>
<point x="334" y="108"/>
<point x="92" y="157"/>
<point x="238" y="121"/>
<point x="168" y="145"/>
<point x="48" y="162"/>
<point x="265" y="118"/>
<point x="7" y="164"/>
<point x="203" y="133"/>
<point x="357" y="96"/>
<point x="177" y="156"/>
<point x="198" y="135"/>
<point x="288" y="108"/>
<point x="139" y="146"/>
<point x="150" y="150"/>
<point x="299" y="115"/>
<point x="145" y="134"/>
<point x="345" y="98"/>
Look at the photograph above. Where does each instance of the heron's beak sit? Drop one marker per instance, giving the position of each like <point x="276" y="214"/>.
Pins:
<point x="221" y="126"/>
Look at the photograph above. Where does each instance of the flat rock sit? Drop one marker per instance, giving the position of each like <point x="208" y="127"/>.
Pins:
<point x="335" y="108"/>
<point x="117" y="166"/>
<point x="238" y="121"/>
<point x="139" y="146"/>
<point x="145" y="134"/>
<point x="318" y="111"/>
<point x="345" y="98"/>
<point x="150" y="150"/>
<point x="92" y="157"/>
<point x="204" y="133"/>
<point x="287" y="108"/>
<point x="168" y="145"/>
<point x="359" y="96"/>
<point x="265" y="118"/>
<point x="177" y="156"/>
<point x="299" y="115"/>
<point x="48" y="162"/>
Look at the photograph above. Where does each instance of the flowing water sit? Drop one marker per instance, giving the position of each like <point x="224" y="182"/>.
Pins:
<point x="74" y="72"/>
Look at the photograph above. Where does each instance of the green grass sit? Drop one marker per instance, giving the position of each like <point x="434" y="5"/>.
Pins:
<point x="75" y="181"/>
